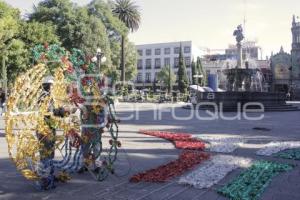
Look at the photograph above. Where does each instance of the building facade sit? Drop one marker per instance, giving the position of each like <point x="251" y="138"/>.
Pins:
<point x="153" y="57"/>
<point x="286" y="67"/>
<point x="280" y="65"/>
<point x="249" y="50"/>
<point x="295" y="59"/>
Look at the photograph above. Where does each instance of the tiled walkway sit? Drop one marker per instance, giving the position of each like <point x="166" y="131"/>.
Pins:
<point x="141" y="152"/>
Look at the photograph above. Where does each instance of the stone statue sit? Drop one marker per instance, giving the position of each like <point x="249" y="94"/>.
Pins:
<point x="238" y="33"/>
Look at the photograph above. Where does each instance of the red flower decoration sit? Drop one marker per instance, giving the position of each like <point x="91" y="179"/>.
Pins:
<point x="85" y="80"/>
<point x="180" y="140"/>
<point x="64" y="59"/>
<point x="84" y="67"/>
<point x="75" y="139"/>
<point x="75" y="98"/>
<point x="43" y="57"/>
<point x="186" y="161"/>
<point x="70" y="69"/>
<point x="46" y="45"/>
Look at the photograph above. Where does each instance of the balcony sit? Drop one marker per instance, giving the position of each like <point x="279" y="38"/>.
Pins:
<point x="148" y="67"/>
<point x="157" y="66"/>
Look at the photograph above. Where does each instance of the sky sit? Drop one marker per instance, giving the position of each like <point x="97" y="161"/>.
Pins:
<point x="209" y="23"/>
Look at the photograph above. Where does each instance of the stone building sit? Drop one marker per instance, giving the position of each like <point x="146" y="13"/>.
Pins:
<point x="280" y="65"/>
<point x="295" y="59"/>
<point x="286" y="67"/>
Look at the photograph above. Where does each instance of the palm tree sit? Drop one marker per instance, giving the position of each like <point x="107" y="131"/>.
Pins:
<point x="129" y="14"/>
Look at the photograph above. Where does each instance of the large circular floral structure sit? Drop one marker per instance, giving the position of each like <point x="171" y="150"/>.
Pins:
<point x="45" y="139"/>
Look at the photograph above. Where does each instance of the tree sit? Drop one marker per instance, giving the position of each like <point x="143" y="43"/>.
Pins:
<point x="129" y="14"/>
<point x="115" y="28"/>
<point x="183" y="80"/>
<point x="167" y="77"/>
<point x="194" y="72"/>
<point x="9" y="24"/>
<point x="18" y="59"/>
<point x="75" y="26"/>
<point x="12" y="50"/>
<point x="130" y="61"/>
<point x="202" y="81"/>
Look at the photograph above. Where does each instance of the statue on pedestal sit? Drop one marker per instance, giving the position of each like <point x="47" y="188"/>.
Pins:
<point x="238" y="33"/>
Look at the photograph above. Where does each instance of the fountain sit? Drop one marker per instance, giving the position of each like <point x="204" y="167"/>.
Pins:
<point x="244" y="87"/>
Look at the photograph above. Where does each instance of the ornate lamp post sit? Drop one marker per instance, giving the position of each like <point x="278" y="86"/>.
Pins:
<point x="100" y="58"/>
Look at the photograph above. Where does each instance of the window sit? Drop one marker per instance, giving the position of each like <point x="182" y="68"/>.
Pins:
<point x="187" y="61"/>
<point x="167" y="62"/>
<point x="140" y="52"/>
<point x="148" y="63"/>
<point x="157" y="63"/>
<point x="176" y="50"/>
<point x="148" y="77"/>
<point x="176" y="62"/>
<point x="167" y="51"/>
<point x="139" y="77"/>
<point x="187" y="49"/>
<point x="140" y="64"/>
<point x="157" y="51"/>
<point x="156" y="74"/>
<point x="148" y="52"/>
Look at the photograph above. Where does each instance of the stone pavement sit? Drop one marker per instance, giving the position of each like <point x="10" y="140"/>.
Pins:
<point x="141" y="152"/>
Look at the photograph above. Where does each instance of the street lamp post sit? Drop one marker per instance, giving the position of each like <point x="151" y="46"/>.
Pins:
<point x="100" y="58"/>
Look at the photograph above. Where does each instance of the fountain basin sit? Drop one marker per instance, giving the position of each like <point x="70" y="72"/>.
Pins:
<point x="233" y="101"/>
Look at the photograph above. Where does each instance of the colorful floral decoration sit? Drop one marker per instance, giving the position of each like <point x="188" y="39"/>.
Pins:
<point x="31" y="124"/>
<point x="214" y="170"/>
<point x="293" y="154"/>
<point x="221" y="143"/>
<point x="180" y="140"/>
<point x="250" y="184"/>
<point x="45" y="53"/>
<point x="97" y="112"/>
<point x="28" y="132"/>
<point x="186" y="161"/>
<point x="275" y="147"/>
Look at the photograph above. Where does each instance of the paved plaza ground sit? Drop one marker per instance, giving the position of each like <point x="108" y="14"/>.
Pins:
<point x="141" y="152"/>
